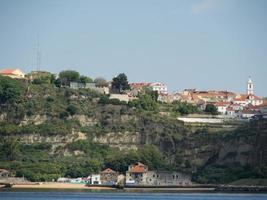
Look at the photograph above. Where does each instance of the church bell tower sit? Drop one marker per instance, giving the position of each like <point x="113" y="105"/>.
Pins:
<point x="249" y="87"/>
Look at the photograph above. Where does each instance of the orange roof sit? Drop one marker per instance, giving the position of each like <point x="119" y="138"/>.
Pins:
<point x="244" y="97"/>
<point x="7" y="71"/>
<point x="137" y="168"/>
<point x="108" y="171"/>
<point x="222" y="104"/>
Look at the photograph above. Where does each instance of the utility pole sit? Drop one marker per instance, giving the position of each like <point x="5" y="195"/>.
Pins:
<point x="38" y="54"/>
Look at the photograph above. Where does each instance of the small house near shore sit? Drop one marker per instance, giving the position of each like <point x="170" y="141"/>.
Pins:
<point x="108" y="177"/>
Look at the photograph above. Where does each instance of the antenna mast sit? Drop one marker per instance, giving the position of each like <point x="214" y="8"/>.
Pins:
<point x="38" y="55"/>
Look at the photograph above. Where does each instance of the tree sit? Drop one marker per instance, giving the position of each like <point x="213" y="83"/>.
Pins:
<point x="120" y="83"/>
<point x="52" y="78"/>
<point x="86" y="79"/>
<point x="57" y="82"/>
<point x="10" y="90"/>
<point x="68" y="76"/>
<point x="11" y="148"/>
<point x="154" y="94"/>
<point x="184" y="108"/>
<point x="101" y="82"/>
<point x="72" y="109"/>
<point x="210" y="108"/>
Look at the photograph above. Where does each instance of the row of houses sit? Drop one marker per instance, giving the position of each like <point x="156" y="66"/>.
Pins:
<point x="137" y="175"/>
<point x="229" y="104"/>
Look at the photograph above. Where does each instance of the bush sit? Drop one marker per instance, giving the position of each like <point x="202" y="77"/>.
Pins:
<point x="106" y="100"/>
<point x="50" y="99"/>
<point x="211" y="109"/>
<point x="37" y="81"/>
<point x="184" y="108"/>
<point x="63" y="115"/>
<point x="10" y="90"/>
<point x="145" y="102"/>
<point x="72" y="109"/>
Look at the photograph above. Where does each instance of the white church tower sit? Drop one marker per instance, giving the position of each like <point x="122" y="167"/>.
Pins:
<point x="249" y="87"/>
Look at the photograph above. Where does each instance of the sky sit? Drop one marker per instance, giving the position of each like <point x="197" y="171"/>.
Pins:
<point x="202" y="44"/>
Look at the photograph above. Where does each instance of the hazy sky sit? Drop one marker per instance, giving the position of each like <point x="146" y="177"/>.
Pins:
<point x="203" y="44"/>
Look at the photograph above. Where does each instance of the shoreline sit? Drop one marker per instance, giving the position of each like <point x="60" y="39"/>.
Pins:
<point x="41" y="186"/>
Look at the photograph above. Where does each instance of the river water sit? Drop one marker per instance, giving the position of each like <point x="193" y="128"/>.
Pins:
<point x="49" y="195"/>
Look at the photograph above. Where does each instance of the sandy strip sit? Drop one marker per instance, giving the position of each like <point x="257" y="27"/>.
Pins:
<point x="52" y="185"/>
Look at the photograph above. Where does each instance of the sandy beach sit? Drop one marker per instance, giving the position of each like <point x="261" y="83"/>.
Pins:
<point x="54" y="185"/>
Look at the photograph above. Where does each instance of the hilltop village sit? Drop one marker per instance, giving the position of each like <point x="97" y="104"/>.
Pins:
<point x="73" y="129"/>
<point x="229" y="105"/>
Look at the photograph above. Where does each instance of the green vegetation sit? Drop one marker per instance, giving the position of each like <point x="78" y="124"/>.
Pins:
<point x="184" y="108"/>
<point x="211" y="109"/>
<point x="10" y="90"/>
<point x="250" y="181"/>
<point x="120" y="83"/>
<point x="68" y="76"/>
<point x="104" y="99"/>
<point x="85" y="79"/>
<point x="227" y="174"/>
<point x="144" y="102"/>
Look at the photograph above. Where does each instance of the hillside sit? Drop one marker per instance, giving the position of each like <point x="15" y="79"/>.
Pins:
<point x="48" y="132"/>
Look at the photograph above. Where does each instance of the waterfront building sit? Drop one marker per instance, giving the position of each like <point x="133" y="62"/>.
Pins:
<point x="95" y="179"/>
<point x="108" y="177"/>
<point x="139" y="175"/>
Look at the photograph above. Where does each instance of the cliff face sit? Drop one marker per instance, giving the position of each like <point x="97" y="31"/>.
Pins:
<point x="245" y="145"/>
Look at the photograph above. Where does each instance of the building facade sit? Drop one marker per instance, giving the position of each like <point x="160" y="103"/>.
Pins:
<point x="159" y="87"/>
<point x="108" y="177"/>
<point x="139" y="175"/>
<point x="95" y="179"/>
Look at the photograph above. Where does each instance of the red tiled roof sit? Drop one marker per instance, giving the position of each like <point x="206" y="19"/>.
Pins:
<point x="108" y="171"/>
<point x="137" y="168"/>
<point x="244" y="97"/>
<point x="222" y="104"/>
<point x="7" y="71"/>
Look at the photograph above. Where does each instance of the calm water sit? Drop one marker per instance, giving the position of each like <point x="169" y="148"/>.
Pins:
<point x="128" y="196"/>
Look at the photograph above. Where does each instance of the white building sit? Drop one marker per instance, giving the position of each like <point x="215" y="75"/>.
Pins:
<point x="95" y="179"/>
<point x="160" y="87"/>
<point x="222" y="107"/>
